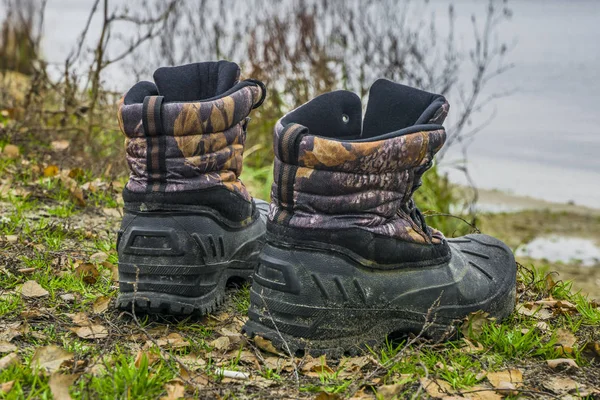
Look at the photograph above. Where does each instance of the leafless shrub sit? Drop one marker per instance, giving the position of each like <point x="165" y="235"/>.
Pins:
<point x="300" y="48"/>
<point x="61" y="100"/>
<point x="20" y="35"/>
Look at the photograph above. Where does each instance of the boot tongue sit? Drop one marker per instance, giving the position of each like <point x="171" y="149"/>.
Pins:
<point x="393" y="106"/>
<point x="196" y="82"/>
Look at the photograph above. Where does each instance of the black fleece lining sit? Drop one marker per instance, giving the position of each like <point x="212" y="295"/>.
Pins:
<point x="199" y="82"/>
<point x="234" y="89"/>
<point x="334" y="114"/>
<point x="196" y="81"/>
<point x="393" y="110"/>
<point x="393" y="106"/>
<point x="139" y="91"/>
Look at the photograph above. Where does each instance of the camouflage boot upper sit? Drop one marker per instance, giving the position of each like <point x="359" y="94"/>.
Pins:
<point x="185" y="138"/>
<point x="353" y="187"/>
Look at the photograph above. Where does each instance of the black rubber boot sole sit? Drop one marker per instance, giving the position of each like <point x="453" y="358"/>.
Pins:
<point x="311" y="301"/>
<point x="180" y="263"/>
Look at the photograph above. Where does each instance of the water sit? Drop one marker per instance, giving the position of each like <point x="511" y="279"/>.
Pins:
<point x="562" y="249"/>
<point x="545" y="139"/>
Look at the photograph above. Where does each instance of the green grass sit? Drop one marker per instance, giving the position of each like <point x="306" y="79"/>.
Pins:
<point x="28" y="385"/>
<point x="50" y="242"/>
<point x="241" y="298"/>
<point x="10" y="304"/>
<point x="513" y="344"/>
<point x="125" y="380"/>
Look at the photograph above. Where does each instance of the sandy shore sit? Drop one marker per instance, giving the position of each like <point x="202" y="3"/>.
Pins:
<point x="557" y="237"/>
<point x="498" y="201"/>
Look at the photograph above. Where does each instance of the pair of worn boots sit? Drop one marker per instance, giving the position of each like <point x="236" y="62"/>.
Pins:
<point x="342" y="257"/>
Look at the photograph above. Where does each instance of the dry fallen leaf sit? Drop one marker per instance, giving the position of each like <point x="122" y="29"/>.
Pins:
<point x="101" y="304"/>
<point x="472" y="347"/>
<point x="173" y="340"/>
<point x="33" y="313"/>
<point x="59" y="385"/>
<point x="151" y="357"/>
<point x="50" y="358"/>
<point x="8" y="360"/>
<point x="265" y="344"/>
<point x="260" y="382"/>
<point x="193" y="361"/>
<point x="563" y="306"/>
<point x="362" y="395"/>
<point x="506" y="388"/>
<point x="482" y="393"/>
<point x="98" y="257"/>
<point x="327" y="396"/>
<point x="76" y="173"/>
<point x="351" y="366"/>
<point x="512" y="376"/>
<point x="221" y="343"/>
<point x="473" y="324"/>
<point x="113" y="269"/>
<point x="542" y="326"/>
<point x="87" y="272"/>
<point x="95" y="331"/>
<point x="6" y="387"/>
<point x="113" y="212"/>
<point x="175" y="390"/>
<point x="32" y="289"/>
<point x="51" y="170"/>
<point x="15" y="329"/>
<point x="60" y="145"/>
<point x="534" y="310"/>
<point x="560" y="385"/>
<point x="246" y="357"/>
<point x="550" y="283"/>
<point x="12" y="238"/>
<point x="11" y="151"/>
<point x="278" y="364"/>
<point x="234" y="336"/>
<point x="68" y="297"/>
<point x="389" y="392"/>
<point x="80" y="319"/>
<point x="442" y="366"/>
<point x="562" y="361"/>
<point x="74" y="190"/>
<point x="565" y="340"/>
<point x="592" y="350"/>
<point x="436" y="388"/>
<point x="6" y="347"/>
<point x="315" y="367"/>
<point x="196" y="378"/>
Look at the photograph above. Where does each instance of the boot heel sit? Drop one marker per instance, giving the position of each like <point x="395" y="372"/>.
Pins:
<point x="180" y="263"/>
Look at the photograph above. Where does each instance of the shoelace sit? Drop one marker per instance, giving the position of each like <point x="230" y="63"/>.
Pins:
<point x="411" y="208"/>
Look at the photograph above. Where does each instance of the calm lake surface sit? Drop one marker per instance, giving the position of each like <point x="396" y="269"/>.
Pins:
<point x="545" y="139"/>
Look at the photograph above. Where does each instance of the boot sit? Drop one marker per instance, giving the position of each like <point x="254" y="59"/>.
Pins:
<point x="190" y="226"/>
<point x="348" y="258"/>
